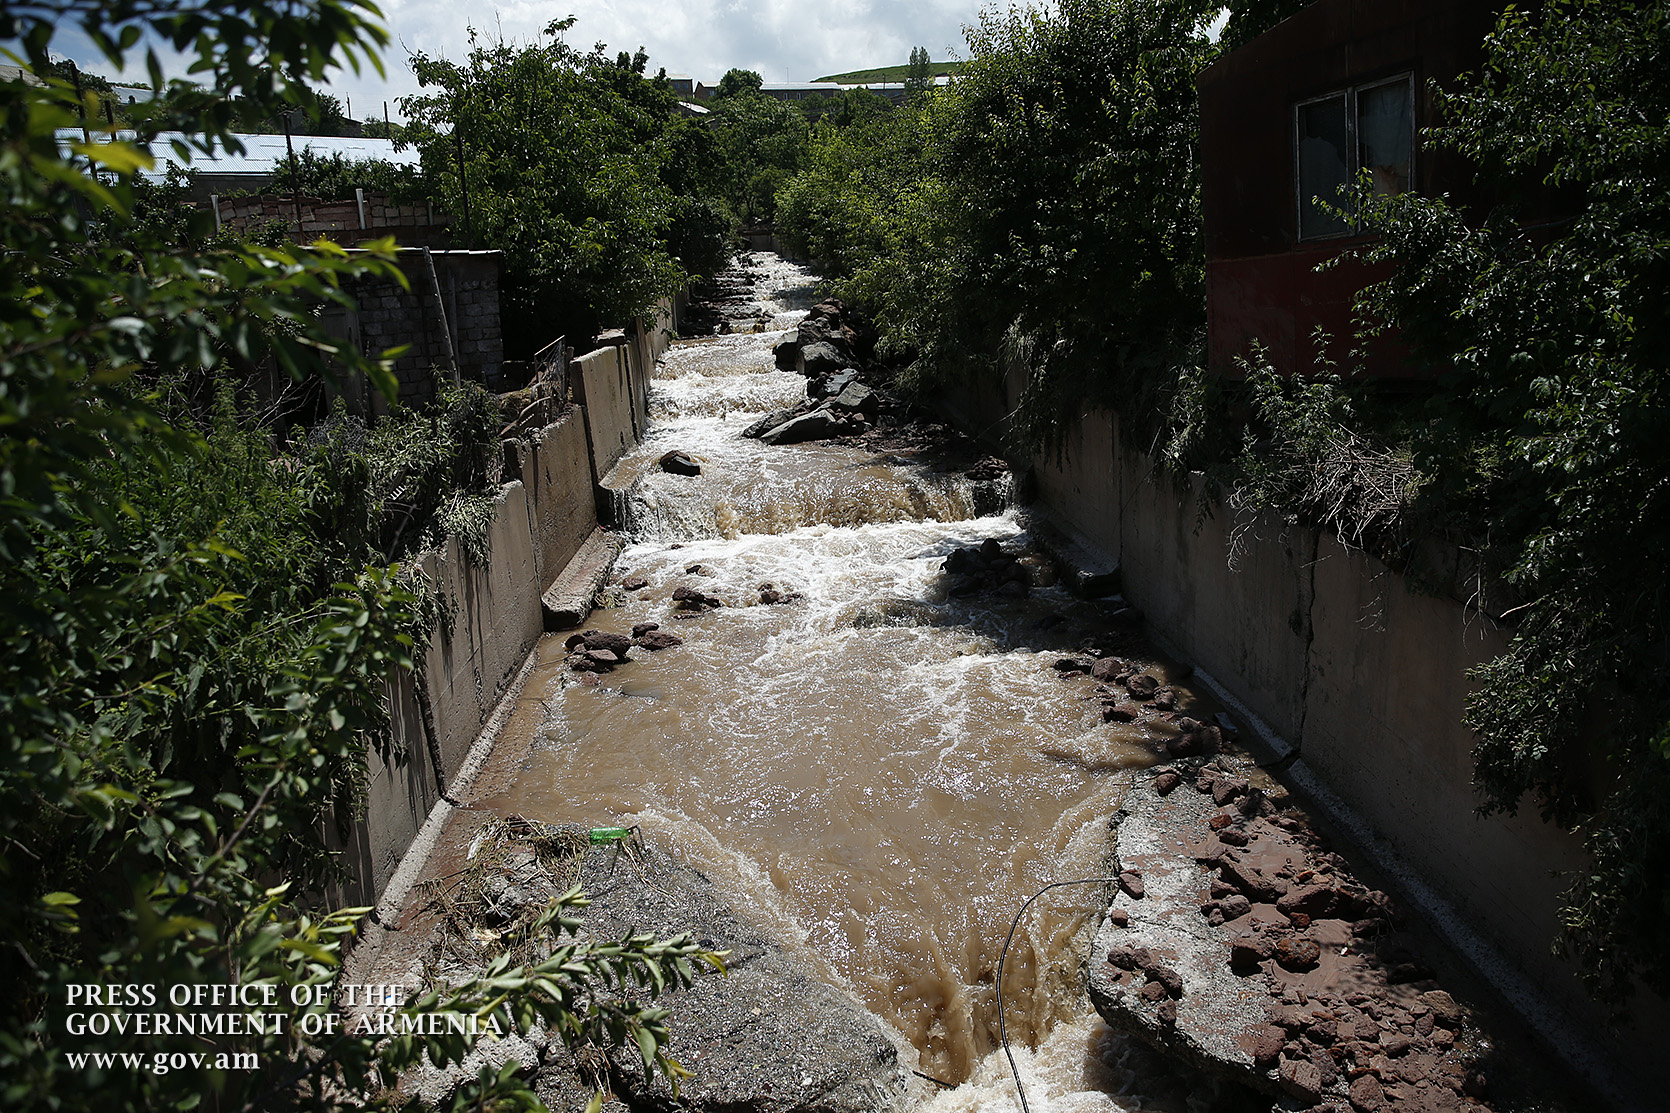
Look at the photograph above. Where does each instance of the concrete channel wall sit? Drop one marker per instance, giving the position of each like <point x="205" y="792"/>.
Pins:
<point x="546" y="512"/>
<point x="1364" y="679"/>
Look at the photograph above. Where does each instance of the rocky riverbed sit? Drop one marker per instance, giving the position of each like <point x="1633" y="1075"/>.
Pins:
<point x="862" y="706"/>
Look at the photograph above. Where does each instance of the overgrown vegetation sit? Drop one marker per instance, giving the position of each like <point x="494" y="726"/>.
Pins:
<point x="200" y="613"/>
<point x="1040" y="212"/>
<point x="1545" y="437"/>
<point x="575" y="166"/>
<point x="1040" y="217"/>
<point x="335" y="178"/>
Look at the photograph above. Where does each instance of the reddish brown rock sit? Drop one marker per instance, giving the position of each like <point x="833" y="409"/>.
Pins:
<point x="1395" y="1043"/>
<point x="1118" y="917"/>
<point x="1225" y="789"/>
<point x="1322" y="1030"/>
<point x="1142" y="686"/>
<point x="1234" y="906"/>
<point x="1250" y="950"/>
<point x="656" y="640"/>
<point x="1366" y="1094"/>
<point x="1312" y="900"/>
<point x="1301" y="1079"/>
<point x="1131" y="882"/>
<point x="1168" y="978"/>
<point x="1249" y="881"/>
<point x="1443" y="1008"/>
<point x="1107" y="669"/>
<point x="1268" y="1046"/>
<point x="1129" y="958"/>
<point x="1165" y="782"/>
<point x="1152" y="991"/>
<point x="1298" y="954"/>
<point x="1166" y="1014"/>
<point x="1233" y="836"/>
<point x="1126" y="712"/>
<point x="1185" y="745"/>
<point x="643" y="628"/>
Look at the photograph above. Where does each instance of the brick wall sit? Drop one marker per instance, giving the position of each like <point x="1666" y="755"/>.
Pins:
<point x="344" y="222"/>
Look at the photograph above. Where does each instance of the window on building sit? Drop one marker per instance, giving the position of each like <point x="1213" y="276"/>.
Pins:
<point x="1365" y="128"/>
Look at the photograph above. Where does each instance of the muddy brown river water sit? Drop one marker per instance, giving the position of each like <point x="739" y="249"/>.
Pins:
<point x="880" y="774"/>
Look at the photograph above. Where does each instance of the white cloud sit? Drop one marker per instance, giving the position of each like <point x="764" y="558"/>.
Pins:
<point x="783" y="40"/>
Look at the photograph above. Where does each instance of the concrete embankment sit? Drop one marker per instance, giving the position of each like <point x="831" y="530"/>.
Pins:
<point x="546" y="546"/>
<point x="1355" y="687"/>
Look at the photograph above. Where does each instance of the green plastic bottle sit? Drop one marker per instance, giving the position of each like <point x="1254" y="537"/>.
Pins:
<point x="601" y="835"/>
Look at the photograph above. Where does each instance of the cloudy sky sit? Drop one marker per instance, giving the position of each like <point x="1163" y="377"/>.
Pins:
<point x="790" y="40"/>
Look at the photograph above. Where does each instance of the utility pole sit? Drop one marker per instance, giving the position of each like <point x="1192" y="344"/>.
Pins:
<point x="295" y="194"/>
<point x="463" y="184"/>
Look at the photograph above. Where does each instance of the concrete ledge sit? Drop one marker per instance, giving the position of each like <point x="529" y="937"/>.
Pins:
<point x="1085" y="570"/>
<point x="568" y="600"/>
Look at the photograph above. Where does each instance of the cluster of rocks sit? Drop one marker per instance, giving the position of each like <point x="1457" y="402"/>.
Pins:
<point x="765" y="1037"/>
<point x="1268" y="961"/>
<point x="986" y="567"/>
<point x="828" y="348"/>
<point x="1145" y="697"/>
<point x="694" y="601"/>
<point x="601" y="651"/>
<point x="828" y="340"/>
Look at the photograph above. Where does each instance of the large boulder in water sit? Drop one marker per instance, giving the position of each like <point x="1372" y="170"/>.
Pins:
<point x="769" y="422"/>
<point x="858" y="398"/>
<point x="765" y="1037"/>
<point x="787" y="354"/>
<point x="814" y="426"/>
<point x="822" y="358"/>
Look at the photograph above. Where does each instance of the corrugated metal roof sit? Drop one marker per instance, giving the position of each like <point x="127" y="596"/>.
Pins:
<point x="262" y="153"/>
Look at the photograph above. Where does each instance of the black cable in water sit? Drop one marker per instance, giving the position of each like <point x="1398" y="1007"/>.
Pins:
<point x="1003" y="1032"/>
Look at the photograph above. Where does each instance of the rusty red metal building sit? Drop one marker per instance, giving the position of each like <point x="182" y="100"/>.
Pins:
<point x="1339" y="88"/>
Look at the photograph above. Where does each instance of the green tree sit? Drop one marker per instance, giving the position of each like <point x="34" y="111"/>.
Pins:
<point x="563" y="158"/>
<point x="330" y="177"/>
<point x="849" y="208"/>
<point x="918" y="75"/>
<point x="737" y="82"/>
<point x="1056" y="222"/>
<point x="196" y="634"/>
<point x="760" y="142"/>
<point x="1551" y="341"/>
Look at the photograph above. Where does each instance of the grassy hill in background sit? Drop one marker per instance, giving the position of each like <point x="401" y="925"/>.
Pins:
<point x="889" y="73"/>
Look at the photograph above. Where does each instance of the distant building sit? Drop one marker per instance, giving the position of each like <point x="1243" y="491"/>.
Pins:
<point x="1335" y="90"/>
<point x="781" y="90"/>
<point x="224" y="172"/>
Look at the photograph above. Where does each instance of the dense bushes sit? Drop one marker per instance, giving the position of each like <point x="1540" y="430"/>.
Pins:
<point x="1046" y="203"/>
<point x="198" y="613"/>
<point x="1545" y="440"/>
